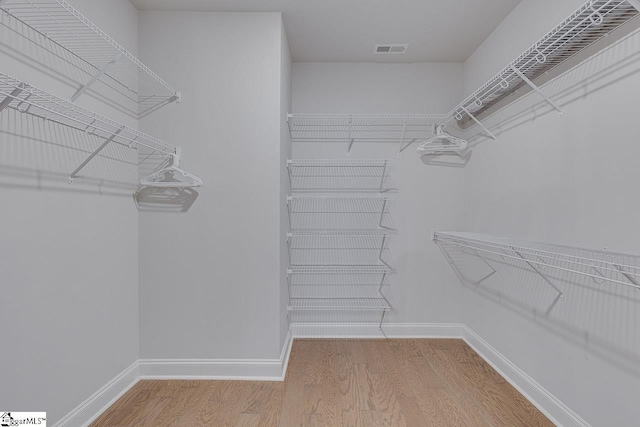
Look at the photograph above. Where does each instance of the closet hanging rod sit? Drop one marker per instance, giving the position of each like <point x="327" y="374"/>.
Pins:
<point x="96" y="53"/>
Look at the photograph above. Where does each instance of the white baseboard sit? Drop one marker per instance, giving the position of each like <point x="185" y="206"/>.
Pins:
<point x="370" y="330"/>
<point x="275" y="369"/>
<point x="218" y="369"/>
<point x="541" y="398"/>
<point x="97" y="403"/>
<point x="547" y="403"/>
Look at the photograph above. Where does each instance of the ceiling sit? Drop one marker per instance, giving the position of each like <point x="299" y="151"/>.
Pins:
<point x="347" y="30"/>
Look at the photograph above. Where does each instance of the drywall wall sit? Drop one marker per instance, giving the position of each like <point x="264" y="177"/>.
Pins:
<point x="285" y="154"/>
<point x="69" y="257"/>
<point x="210" y="274"/>
<point x="428" y="197"/>
<point x="568" y="180"/>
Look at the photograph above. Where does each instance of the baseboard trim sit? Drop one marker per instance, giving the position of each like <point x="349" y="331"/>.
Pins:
<point x="373" y="331"/>
<point x="85" y="413"/>
<point x="275" y="369"/>
<point x="541" y="398"/>
<point x="218" y="369"/>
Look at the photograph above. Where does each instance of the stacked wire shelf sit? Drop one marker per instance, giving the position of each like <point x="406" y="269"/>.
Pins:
<point x="338" y="245"/>
<point x="97" y="62"/>
<point x="593" y="26"/>
<point x="65" y="33"/>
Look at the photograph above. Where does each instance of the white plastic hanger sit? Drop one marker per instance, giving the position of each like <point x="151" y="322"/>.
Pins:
<point x="442" y="143"/>
<point x="153" y="180"/>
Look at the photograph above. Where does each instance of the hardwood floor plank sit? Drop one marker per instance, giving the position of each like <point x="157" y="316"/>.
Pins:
<point x="333" y="383"/>
<point x="248" y="420"/>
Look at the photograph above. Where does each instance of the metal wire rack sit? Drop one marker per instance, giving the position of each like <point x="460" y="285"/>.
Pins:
<point x="361" y="176"/>
<point x="591" y="22"/>
<point x="337" y="249"/>
<point x="29" y="100"/>
<point x="355" y="213"/>
<point x="600" y="266"/>
<point x="578" y="36"/>
<point x="339" y="304"/>
<point x="57" y="26"/>
<point x="403" y="129"/>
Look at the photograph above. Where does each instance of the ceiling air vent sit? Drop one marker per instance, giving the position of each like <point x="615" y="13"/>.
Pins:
<point x="390" y="48"/>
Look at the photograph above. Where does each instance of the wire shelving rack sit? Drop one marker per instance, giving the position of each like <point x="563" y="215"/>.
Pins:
<point x="338" y="246"/>
<point x="26" y="99"/>
<point x="599" y="266"/>
<point x="338" y="249"/>
<point x="335" y="213"/>
<point x="402" y="129"/>
<point x="339" y="304"/>
<point x="594" y="20"/>
<point x="565" y="46"/>
<point x="61" y="28"/>
<point x="337" y="176"/>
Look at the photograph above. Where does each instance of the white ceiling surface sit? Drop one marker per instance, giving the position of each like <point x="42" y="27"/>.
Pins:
<point x="347" y="30"/>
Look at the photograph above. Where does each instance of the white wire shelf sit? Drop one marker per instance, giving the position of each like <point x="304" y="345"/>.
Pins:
<point x="340" y="269"/>
<point x="319" y="213"/>
<point x="57" y="26"/>
<point x="29" y="100"/>
<point x="600" y="266"/>
<point x="336" y="249"/>
<point x="572" y="41"/>
<point x="594" y="20"/>
<point x="349" y="128"/>
<point x="353" y="176"/>
<point x="339" y="304"/>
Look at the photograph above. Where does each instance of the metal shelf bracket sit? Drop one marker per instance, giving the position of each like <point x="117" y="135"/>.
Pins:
<point x="627" y="275"/>
<point x="74" y="174"/>
<point x="479" y="123"/>
<point x="537" y="90"/>
<point x="14" y="95"/>
<point x="534" y="268"/>
<point x="95" y="78"/>
<point x="349" y="139"/>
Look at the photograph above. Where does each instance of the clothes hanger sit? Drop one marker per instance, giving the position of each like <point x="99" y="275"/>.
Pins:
<point x="441" y="143"/>
<point x="172" y="170"/>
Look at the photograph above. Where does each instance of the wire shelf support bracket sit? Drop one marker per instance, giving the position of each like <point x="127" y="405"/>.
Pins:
<point x="106" y="142"/>
<point x="537" y="90"/>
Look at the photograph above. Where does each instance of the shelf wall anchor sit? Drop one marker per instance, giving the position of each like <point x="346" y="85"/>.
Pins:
<point x="537" y="89"/>
<point x="74" y="174"/>
<point x="94" y="78"/>
<point x="479" y="123"/>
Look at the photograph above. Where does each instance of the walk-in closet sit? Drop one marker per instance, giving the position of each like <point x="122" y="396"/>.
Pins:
<point x="319" y="213"/>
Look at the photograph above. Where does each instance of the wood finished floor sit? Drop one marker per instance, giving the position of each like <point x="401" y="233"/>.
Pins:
<point x="341" y="383"/>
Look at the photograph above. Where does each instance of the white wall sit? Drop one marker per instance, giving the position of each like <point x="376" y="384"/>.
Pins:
<point x="68" y="257"/>
<point x="210" y="277"/>
<point x="285" y="154"/>
<point x="423" y="290"/>
<point x="569" y="180"/>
